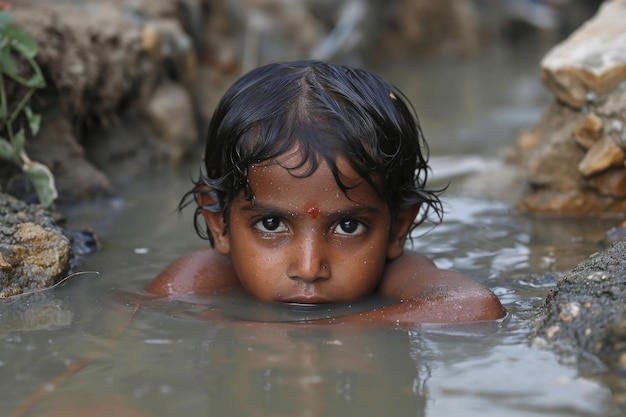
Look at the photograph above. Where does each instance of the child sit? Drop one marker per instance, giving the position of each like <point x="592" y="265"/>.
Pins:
<point x="315" y="176"/>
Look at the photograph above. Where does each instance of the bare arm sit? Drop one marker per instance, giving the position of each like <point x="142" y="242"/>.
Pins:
<point x="427" y="294"/>
<point x="200" y="272"/>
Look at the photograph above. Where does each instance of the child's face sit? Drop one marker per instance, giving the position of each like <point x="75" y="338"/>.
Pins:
<point x="303" y="240"/>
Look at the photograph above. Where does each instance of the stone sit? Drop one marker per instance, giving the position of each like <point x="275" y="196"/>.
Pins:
<point x="589" y="130"/>
<point x="553" y="161"/>
<point x="42" y="249"/>
<point x="34" y="251"/>
<point x="57" y="147"/>
<point x="611" y="183"/>
<point x="592" y="61"/>
<point x="573" y="202"/>
<point x="574" y="163"/>
<point x="170" y="113"/>
<point x="578" y="304"/>
<point x="568" y="312"/>
<point x="603" y="155"/>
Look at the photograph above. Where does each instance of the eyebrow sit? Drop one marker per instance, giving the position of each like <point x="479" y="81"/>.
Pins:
<point x="268" y="209"/>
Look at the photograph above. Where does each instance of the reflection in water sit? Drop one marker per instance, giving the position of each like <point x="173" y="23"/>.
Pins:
<point x="283" y="369"/>
<point x="34" y="311"/>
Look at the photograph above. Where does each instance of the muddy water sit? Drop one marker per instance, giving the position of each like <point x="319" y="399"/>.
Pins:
<point x="73" y="349"/>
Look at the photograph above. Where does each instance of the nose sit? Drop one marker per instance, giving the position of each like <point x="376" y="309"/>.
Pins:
<point x="308" y="259"/>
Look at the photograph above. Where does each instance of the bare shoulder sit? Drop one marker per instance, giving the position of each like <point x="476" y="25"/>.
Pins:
<point x="439" y="294"/>
<point x="199" y="272"/>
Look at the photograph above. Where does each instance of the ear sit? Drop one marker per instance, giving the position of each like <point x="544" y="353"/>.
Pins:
<point x="215" y="222"/>
<point x="400" y="230"/>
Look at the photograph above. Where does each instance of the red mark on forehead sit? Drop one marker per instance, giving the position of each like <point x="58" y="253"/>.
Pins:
<point x="312" y="210"/>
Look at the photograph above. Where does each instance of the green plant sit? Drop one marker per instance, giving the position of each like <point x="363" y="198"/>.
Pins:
<point x="15" y="42"/>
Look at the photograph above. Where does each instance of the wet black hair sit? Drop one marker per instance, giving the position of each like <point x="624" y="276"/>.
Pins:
<point x="326" y="110"/>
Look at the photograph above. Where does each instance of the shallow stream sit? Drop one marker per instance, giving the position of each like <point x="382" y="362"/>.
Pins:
<point x="85" y="348"/>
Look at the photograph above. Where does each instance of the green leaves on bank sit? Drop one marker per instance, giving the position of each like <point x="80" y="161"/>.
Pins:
<point x="18" y="50"/>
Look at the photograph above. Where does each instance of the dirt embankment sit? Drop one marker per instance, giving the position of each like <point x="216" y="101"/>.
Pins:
<point x="121" y="95"/>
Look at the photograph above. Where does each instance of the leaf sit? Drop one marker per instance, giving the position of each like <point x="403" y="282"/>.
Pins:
<point x="34" y="120"/>
<point x="22" y="42"/>
<point x="6" y="19"/>
<point x="43" y="181"/>
<point x="19" y="139"/>
<point x="6" y="149"/>
<point x="7" y="64"/>
<point x="36" y="81"/>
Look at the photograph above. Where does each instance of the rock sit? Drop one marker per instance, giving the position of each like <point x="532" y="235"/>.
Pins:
<point x="592" y="61"/>
<point x="611" y="183"/>
<point x="170" y="113"/>
<point x="57" y="147"/>
<point x="589" y="130"/>
<point x="553" y="161"/>
<point x="565" y="178"/>
<point x="573" y="202"/>
<point x="583" y="316"/>
<point x="34" y="252"/>
<point x="602" y="155"/>
<point x="574" y="163"/>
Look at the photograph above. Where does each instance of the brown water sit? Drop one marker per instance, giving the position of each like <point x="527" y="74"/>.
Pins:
<point x="167" y="361"/>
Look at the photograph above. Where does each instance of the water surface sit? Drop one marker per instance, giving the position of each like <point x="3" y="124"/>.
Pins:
<point x="175" y="358"/>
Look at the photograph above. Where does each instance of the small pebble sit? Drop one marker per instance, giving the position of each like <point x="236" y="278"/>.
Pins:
<point x="552" y="331"/>
<point x="597" y="277"/>
<point x="569" y="311"/>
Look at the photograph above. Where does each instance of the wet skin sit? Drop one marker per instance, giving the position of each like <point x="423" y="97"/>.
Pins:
<point x="305" y="240"/>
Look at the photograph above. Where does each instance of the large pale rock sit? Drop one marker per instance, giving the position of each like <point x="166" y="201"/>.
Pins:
<point x="592" y="61"/>
<point x="574" y="157"/>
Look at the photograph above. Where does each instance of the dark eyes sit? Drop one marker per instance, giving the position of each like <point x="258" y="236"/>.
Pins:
<point x="271" y="224"/>
<point x="349" y="227"/>
<point x="346" y="227"/>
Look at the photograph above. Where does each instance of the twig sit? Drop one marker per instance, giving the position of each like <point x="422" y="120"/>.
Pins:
<point x="53" y="286"/>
